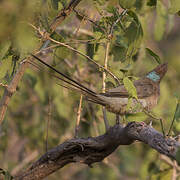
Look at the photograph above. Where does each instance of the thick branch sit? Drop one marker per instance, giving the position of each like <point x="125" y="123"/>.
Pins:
<point x="95" y="149"/>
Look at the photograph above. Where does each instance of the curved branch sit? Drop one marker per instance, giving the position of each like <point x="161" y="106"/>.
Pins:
<point x="94" y="149"/>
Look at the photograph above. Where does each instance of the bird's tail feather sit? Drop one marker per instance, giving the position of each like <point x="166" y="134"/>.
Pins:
<point x="72" y="84"/>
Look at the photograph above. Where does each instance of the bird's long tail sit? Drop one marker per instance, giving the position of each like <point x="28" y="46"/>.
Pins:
<point x="72" y="84"/>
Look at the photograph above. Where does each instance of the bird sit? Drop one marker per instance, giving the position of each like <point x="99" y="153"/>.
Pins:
<point x="115" y="100"/>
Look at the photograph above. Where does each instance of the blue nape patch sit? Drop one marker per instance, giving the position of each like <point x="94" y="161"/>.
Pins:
<point x="153" y="76"/>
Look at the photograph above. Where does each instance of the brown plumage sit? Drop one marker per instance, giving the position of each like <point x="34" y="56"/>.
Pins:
<point x="115" y="100"/>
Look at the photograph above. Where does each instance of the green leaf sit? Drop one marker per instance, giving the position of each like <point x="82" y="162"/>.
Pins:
<point x="155" y="56"/>
<point x="175" y="6"/>
<point x="128" y="84"/>
<point x="138" y="117"/>
<point x="128" y="106"/>
<point x="127" y="4"/>
<point x="161" y="20"/>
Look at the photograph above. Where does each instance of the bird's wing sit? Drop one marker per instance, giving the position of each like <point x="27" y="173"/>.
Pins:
<point x="144" y="89"/>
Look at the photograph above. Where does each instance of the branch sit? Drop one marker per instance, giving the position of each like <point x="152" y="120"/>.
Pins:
<point x="11" y="88"/>
<point x="84" y="55"/>
<point x="63" y="14"/>
<point x="94" y="149"/>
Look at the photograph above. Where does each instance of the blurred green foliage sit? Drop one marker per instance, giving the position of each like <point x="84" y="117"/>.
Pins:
<point x="146" y="35"/>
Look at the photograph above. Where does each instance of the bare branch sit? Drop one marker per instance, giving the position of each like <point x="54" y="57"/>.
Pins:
<point x="78" y="116"/>
<point x="63" y="14"/>
<point x="95" y="149"/>
<point x="11" y="88"/>
<point x="90" y="59"/>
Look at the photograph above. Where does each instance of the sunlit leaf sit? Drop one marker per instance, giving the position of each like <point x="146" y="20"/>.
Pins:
<point x="138" y="117"/>
<point x="128" y="106"/>
<point x="128" y="84"/>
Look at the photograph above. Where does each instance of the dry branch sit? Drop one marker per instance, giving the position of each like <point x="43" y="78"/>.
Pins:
<point x="11" y="88"/>
<point x="94" y="149"/>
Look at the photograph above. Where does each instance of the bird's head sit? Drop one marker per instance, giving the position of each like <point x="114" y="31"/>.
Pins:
<point x="158" y="73"/>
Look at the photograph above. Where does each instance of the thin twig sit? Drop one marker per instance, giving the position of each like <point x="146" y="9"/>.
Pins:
<point x="70" y="29"/>
<point x="82" y="54"/>
<point x="77" y="29"/>
<point x="170" y="162"/>
<point x="172" y="122"/>
<point x="11" y="88"/>
<point x="105" y="65"/>
<point x="104" y="83"/>
<point x="48" y="122"/>
<point x="90" y="20"/>
<point x="79" y="52"/>
<point x="78" y="116"/>
<point x="118" y="20"/>
<point x="63" y="14"/>
<point x="150" y="114"/>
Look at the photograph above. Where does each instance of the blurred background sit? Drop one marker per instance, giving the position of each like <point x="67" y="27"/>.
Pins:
<point x="40" y="103"/>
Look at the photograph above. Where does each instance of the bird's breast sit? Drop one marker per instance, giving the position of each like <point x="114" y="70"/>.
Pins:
<point x="119" y="105"/>
<point x="151" y="101"/>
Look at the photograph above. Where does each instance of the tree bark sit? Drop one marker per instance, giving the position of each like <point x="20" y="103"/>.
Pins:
<point x="94" y="149"/>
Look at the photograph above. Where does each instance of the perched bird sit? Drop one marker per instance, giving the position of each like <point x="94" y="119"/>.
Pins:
<point x="116" y="99"/>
